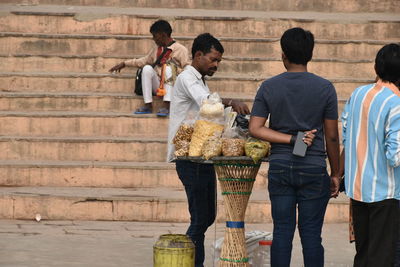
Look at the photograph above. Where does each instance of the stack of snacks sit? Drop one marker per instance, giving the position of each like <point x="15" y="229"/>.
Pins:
<point x="182" y="140"/>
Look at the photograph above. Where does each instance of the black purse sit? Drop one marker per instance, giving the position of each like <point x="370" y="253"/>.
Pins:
<point x="138" y="82"/>
<point x="138" y="78"/>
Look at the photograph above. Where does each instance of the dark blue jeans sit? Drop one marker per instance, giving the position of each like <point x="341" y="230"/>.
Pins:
<point x="306" y="188"/>
<point x="199" y="181"/>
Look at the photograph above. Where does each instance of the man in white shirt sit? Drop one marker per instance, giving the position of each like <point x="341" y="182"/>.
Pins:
<point x="198" y="179"/>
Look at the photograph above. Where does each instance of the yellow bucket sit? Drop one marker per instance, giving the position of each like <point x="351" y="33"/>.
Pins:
<point x="173" y="251"/>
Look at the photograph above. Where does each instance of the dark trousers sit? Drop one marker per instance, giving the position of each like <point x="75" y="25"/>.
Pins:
<point x="199" y="181"/>
<point x="397" y="258"/>
<point x="376" y="229"/>
<point x="306" y="188"/>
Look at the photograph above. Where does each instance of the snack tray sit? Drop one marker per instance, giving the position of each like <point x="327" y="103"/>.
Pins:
<point x="217" y="159"/>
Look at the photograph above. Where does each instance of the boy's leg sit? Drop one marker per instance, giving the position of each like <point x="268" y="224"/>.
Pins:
<point x="312" y="196"/>
<point x="150" y="82"/>
<point x="361" y="231"/>
<point x="283" y="208"/>
<point x="383" y="232"/>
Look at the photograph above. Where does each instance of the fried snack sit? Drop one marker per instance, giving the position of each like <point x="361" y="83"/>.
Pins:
<point x="212" y="147"/>
<point x="256" y="149"/>
<point x="212" y="110"/>
<point x="182" y="148"/>
<point x="202" y="131"/>
<point x="184" y="133"/>
<point x="233" y="147"/>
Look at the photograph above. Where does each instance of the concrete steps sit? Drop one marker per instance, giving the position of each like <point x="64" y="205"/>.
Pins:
<point x="66" y="203"/>
<point x="125" y="46"/>
<point x="93" y="148"/>
<point x="73" y="150"/>
<point x="225" y="84"/>
<point x="351" y="6"/>
<point x="72" y="102"/>
<point x="89" y="20"/>
<point x="17" y="173"/>
<point x="81" y="124"/>
<point x="229" y="65"/>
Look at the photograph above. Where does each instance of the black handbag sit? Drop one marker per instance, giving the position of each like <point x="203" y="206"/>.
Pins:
<point x="138" y="82"/>
<point x="138" y="79"/>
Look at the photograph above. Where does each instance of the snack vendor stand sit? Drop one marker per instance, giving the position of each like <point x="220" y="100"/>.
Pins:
<point x="236" y="176"/>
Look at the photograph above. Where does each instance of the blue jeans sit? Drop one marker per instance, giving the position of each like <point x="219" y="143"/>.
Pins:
<point x="199" y="181"/>
<point x="304" y="187"/>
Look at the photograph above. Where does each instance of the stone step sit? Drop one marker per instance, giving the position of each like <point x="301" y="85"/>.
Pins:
<point x="351" y="6"/>
<point x="82" y="124"/>
<point x="125" y="149"/>
<point x="160" y="204"/>
<point x="86" y="124"/>
<point x="74" y="101"/>
<point x="97" y="174"/>
<point x="126" y="46"/>
<point x="94" y="20"/>
<point x="225" y="84"/>
<point x="108" y="105"/>
<point x="253" y="66"/>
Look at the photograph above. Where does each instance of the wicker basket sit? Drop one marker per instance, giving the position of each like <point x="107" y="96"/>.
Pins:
<point x="236" y="177"/>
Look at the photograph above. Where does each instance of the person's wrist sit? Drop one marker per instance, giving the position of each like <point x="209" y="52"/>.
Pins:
<point x="293" y="140"/>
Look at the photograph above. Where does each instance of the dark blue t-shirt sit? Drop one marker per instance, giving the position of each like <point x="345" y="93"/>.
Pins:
<point x="297" y="101"/>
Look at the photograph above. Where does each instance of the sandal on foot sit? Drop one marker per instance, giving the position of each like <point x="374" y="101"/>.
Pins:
<point x="163" y="112"/>
<point x="143" y="110"/>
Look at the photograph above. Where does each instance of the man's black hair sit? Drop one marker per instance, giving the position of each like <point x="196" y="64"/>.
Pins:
<point x="387" y="63"/>
<point x="297" y="45"/>
<point x="204" y="42"/>
<point x="161" y="26"/>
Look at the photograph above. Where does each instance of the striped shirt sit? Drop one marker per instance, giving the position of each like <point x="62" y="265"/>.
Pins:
<point x="371" y="137"/>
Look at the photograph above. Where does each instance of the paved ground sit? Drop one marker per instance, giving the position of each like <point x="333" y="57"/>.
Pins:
<point x="123" y="244"/>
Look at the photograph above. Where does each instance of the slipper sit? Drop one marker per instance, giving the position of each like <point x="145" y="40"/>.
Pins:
<point x="163" y="112"/>
<point x="143" y="110"/>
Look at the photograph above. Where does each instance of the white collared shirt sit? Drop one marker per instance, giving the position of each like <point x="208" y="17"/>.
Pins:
<point x="187" y="95"/>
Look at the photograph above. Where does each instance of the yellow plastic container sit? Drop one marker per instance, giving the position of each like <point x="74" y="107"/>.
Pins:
<point x="173" y="251"/>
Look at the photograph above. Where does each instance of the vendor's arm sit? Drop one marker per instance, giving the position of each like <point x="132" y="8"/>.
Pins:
<point x="238" y="106"/>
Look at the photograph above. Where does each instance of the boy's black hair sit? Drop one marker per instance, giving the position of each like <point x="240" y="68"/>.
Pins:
<point x="387" y="63"/>
<point x="297" y="45"/>
<point x="161" y="26"/>
<point x="204" y="42"/>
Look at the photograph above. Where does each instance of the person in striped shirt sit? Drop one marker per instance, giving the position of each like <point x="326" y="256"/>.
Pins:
<point x="371" y="138"/>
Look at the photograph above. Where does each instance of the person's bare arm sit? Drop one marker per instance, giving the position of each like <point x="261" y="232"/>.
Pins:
<point x="341" y="168"/>
<point x="238" y="106"/>
<point x="332" y="149"/>
<point x="257" y="129"/>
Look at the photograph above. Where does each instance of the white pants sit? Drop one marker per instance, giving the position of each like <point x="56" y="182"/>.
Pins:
<point x="151" y="82"/>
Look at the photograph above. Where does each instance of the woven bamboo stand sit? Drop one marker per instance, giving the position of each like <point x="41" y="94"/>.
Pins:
<point x="236" y="178"/>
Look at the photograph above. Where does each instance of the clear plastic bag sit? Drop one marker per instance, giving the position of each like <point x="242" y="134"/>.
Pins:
<point x="256" y="149"/>
<point x="202" y="131"/>
<point x="212" y="109"/>
<point x="232" y="143"/>
<point x="212" y="147"/>
<point x="183" y="136"/>
<point x="233" y="147"/>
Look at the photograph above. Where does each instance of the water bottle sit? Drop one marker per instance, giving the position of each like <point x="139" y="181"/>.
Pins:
<point x="262" y="254"/>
